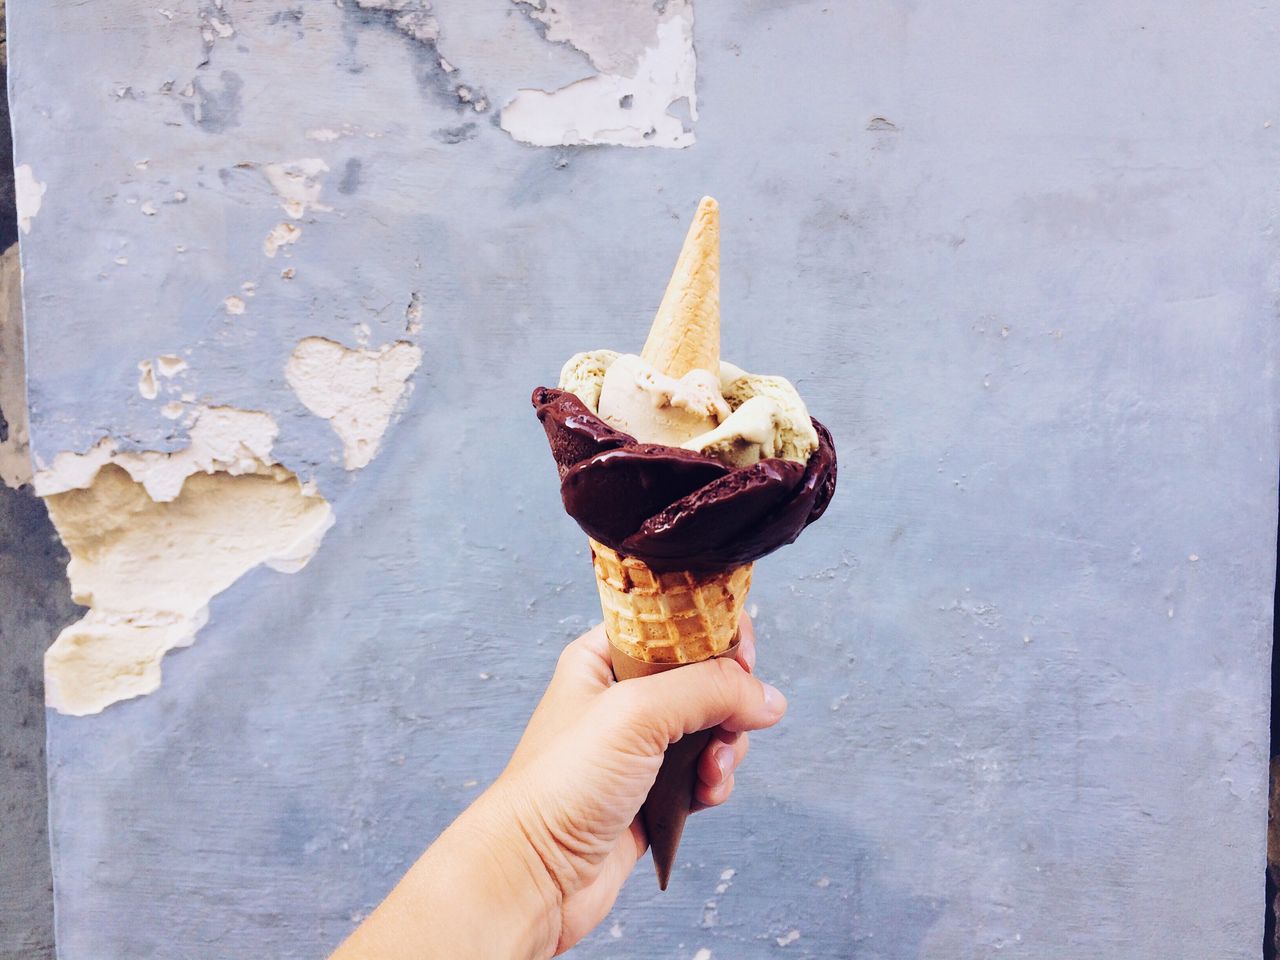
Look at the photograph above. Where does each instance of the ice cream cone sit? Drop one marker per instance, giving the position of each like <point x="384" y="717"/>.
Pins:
<point x="656" y="622"/>
<point x="686" y="329"/>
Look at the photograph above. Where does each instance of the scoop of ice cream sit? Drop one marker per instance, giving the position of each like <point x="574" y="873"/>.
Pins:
<point x="769" y="420"/>
<point x="656" y="408"/>
<point x="746" y="418"/>
<point x="583" y="375"/>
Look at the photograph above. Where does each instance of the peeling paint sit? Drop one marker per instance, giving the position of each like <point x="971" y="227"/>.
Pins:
<point x="222" y="439"/>
<point x="355" y="390"/>
<point x="281" y="235"/>
<point x="15" y="454"/>
<point x="647" y="69"/>
<point x="413" y="313"/>
<point x="147" y="385"/>
<point x="30" y="195"/>
<point x="154" y="536"/>
<point x="297" y="184"/>
<point x="147" y="570"/>
<point x="413" y="18"/>
<point x="169" y="365"/>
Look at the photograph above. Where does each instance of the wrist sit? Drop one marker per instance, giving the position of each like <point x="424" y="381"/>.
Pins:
<point x="523" y="898"/>
<point x="478" y="893"/>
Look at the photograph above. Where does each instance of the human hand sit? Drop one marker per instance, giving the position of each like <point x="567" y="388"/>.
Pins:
<point x="591" y="752"/>
<point x="537" y="861"/>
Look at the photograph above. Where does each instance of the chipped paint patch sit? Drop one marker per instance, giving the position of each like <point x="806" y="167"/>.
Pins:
<point x="147" y="385"/>
<point x="170" y="365"/>
<point x="413" y="18"/>
<point x="15" y="453"/>
<point x="154" y="536"/>
<point x="222" y="440"/>
<point x="147" y="570"/>
<point x="297" y="184"/>
<point x="30" y="195"/>
<point x="355" y="390"/>
<point x="647" y="68"/>
<point x="233" y="305"/>
<point x="413" y="313"/>
<point x="281" y="235"/>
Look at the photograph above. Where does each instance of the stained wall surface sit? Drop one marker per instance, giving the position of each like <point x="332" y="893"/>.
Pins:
<point x="1021" y="260"/>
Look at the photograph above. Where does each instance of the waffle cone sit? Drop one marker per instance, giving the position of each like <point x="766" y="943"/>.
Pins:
<point x="677" y="617"/>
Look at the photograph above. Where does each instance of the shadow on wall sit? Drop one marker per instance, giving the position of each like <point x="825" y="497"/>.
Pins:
<point x="35" y="603"/>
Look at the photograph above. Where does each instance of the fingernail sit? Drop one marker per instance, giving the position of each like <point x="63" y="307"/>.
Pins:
<point x="749" y="655"/>
<point x="724" y="760"/>
<point x="774" y="701"/>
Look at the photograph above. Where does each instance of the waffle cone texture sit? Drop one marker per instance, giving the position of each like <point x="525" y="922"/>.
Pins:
<point x="672" y="617"/>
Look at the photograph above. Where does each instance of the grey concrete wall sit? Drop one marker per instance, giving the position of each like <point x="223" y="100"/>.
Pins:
<point x="1021" y="259"/>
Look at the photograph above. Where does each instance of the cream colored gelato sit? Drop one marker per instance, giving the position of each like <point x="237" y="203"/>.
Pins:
<point x="769" y="420"/>
<point x="583" y="375"/>
<point x="656" y="408"/>
<point x="745" y="418"/>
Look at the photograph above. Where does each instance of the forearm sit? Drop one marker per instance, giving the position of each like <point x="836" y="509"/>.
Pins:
<point x="476" y="893"/>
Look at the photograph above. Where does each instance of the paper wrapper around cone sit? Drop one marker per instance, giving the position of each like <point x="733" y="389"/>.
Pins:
<point x="657" y="622"/>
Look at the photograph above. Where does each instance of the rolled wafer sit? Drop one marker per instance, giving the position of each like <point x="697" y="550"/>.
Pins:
<point x="685" y="334"/>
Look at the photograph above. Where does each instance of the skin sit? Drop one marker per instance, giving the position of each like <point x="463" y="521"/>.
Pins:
<point x="537" y="861"/>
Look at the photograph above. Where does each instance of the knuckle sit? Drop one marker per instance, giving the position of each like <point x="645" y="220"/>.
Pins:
<point x="727" y="678"/>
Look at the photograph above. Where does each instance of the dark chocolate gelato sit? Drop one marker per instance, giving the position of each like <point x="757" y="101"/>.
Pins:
<point x="677" y="509"/>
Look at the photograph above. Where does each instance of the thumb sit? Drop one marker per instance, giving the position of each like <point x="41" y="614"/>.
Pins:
<point x="695" y="697"/>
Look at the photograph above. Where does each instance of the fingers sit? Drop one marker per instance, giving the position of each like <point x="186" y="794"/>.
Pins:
<point x="721" y="758"/>
<point x="697" y="697"/>
<point x="705" y="796"/>
<point x="587" y="656"/>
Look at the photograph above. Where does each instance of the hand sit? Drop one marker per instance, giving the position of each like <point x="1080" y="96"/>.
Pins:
<point x="591" y="752"/>
<point x="537" y="861"/>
